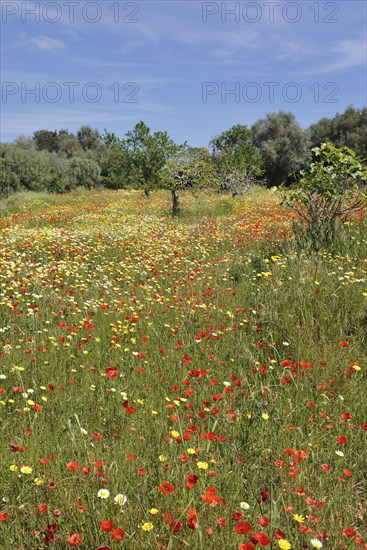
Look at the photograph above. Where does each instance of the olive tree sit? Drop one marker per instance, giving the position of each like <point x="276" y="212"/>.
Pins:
<point x="192" y="169"/>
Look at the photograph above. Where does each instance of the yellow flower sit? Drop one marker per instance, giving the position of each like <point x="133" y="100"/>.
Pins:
<point x="39" y="481"/>
<point x="13" y="468"/>
<point x="147" y="526"/>
<point x="203" y="465"/>
<point x="190" y="451"/>
<point x="153" y="511"/>
<point x="26" y="469"/>
<point x="299" y="518"/>
<point x="265" y="416"/>
<point x="284" y="544"/>
<point x="162" y="458"/>
<point x="175" y="434"/>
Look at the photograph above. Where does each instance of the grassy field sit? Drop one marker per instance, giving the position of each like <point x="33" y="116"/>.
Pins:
<point x="179" y="383"/>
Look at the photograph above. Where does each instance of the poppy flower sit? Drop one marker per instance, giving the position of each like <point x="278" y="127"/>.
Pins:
<point x="118" y="534"/>
<point x="349" y="532"/>
<point x="75" y="539"/>
<point x="176" y="526"/>
<point x="192" y="523"/>
<point x="243" y="528"/>
<point x="191" y="481"/>
<point x="166" y="488"/>
<point x="107" y="525"/>
<point x="72" y="466"/>
<point x="261" y="538"/>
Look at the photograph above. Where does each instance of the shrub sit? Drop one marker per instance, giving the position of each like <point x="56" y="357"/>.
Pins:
<point x="329" y="192"/>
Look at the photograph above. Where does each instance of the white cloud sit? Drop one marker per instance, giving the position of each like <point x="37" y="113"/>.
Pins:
<point x="47" y="43"/>
<point x="351" y="53"/>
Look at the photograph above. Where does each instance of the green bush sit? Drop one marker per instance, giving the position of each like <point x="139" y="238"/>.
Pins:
<point x="83" y="173"/>
<point x="329" y="192"/>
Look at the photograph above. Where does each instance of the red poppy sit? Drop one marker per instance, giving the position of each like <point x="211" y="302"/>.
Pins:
<point x="263" y="521"/>
<point x="261" y="538"/>
<point x="192" y="523"/>
<point x="265" y="495"/>
<point x="128" y="408"/>
<point x="176" y="526"/>
<point x="4" y="516"/>
<point x="168" y="517"/>
<point x="349" y="532"/>
<point x="118" y="534"/>
<point x="246" y="546"/>
<point x="212" y="498"/>
<point x="75" y="539"/>
<point x="72" y="466"/>
<point x="191" y="481"/>
<point x="342" y="440"/>
<point x="166" y="488"/>
<point x="278" y="534"/>
<point x="107" y="525"/>
<point x="243" y="528"/>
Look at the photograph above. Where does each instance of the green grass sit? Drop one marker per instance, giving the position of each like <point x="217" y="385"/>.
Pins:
<point x="244" y="360"/>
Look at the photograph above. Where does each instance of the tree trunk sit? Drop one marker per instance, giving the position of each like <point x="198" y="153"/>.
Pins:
<point x="175" y="203"/>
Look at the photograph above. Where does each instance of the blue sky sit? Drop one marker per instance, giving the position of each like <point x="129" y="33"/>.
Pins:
<point x="192" y="68"/>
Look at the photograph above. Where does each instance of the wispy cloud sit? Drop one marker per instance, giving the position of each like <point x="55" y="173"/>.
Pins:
<point x="47" y="43"/>
<point x="344" y="55"/>
<point x="351" y="53"/>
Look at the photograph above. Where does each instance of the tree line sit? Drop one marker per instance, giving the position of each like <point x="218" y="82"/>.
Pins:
<point x="271" y="152"/>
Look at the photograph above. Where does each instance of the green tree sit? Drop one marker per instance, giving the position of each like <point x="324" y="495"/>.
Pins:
<point x="46" y="140"/>
<point x="283" y="145"/>
<point x="83" y="173"/>
<point x="348" y="129"/>
<point x="89" y="139"/>
<point x="33" y="168"/>
<point x="238" y="162"/>
<point x="328" y="192"/>
<point x="193" y="168"/>
<point x="9" y="180"/>
<point x="24" y="142"/>
<point x="116" y="168"/>
<point x="67" y="145"/>
<point x="143" y="157"/>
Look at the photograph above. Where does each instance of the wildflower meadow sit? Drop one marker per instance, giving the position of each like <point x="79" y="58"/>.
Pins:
<point x="179" y="382"/>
